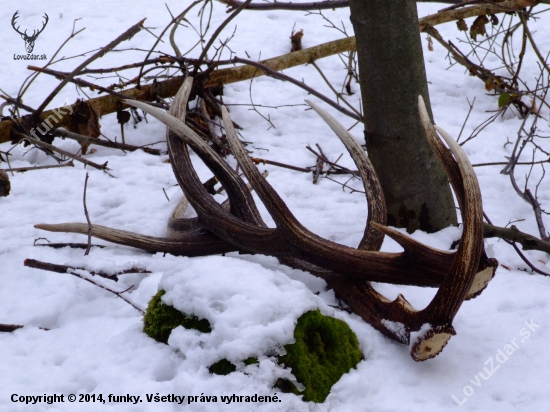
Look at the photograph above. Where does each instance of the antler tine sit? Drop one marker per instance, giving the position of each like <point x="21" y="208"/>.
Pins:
<point x="372" y="238"/>
<point x="241" y="202"/>
<point x="247" y="236"/>
<point x="435" y="321"/>
<point x="487" y="266"/>
<point x="443" y="153"/>
<point x="191" y="243"/>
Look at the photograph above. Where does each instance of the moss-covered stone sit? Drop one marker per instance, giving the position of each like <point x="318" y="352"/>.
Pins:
<point x="222" y="367"/>
<point x="160" y="319"/>
<point x="325" y="349"/>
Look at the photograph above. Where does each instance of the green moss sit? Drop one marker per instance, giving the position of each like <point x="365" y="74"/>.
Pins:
<point x="325" y="349"/>
<point x="222" y="367"/>
<point x="250" y="361"/>
<point x="160" y="319"/>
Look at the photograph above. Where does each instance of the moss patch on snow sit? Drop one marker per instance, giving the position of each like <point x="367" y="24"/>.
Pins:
<point x="222" y="367"/>
<point x="324" y="350"/>
<point x="160" y="319"/>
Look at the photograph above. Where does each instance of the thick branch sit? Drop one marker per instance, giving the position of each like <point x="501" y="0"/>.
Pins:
<point x="512" y="233"/>
<point x="316" y="5"/>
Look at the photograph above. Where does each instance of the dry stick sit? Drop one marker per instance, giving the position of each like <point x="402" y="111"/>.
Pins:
<point x="5" y="327"/>
<point x="79" y="82"/>
<point x="507" y="163"/>
<point x="521" y="255"/>
<point x="319" y="165"/>
<point x="168" y="88"/>
<point x="345" y="170"/>
<point x="512" y="233"/>
<point x="28" y="169"/>
<point x="64" y="152"/>
<point x="36" y="264"/>
<point x="105" y="143"/>
<point x="466" y="119"/>
<point x="520" y="56"/>
<point x="526" y="194"/>
<point x="338" y="95"/>
<point x="257" y="161"/>
<point x="533" y="44"/>
<point x="127" y="35"/>
<point x="310" y="90"/>
<point x="90" y="227"/>
<point x="17" y="103"/>
<point x="53" y="267"/>
<point x="162" y="60"/>
<point x="318" y="170"/>
<point x="71" y="245"/>
<point x="317" y="5"/>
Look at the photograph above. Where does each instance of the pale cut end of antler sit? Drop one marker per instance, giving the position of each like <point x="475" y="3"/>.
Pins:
<point x="480" y="282"/>
<point x="429" y="341"/>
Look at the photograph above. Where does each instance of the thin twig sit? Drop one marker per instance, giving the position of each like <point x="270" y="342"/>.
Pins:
<point x="105" y="143"/>
<point x="90" y="227"/>
<point x="310" y="90"/>
<point x="36" y="264"/>
<point x="317" y="5"/>
<point x="533" y="44"/>
<point x="64" y="153"/>
<point x="28" y="169"/>
<point x="5" y="327"/>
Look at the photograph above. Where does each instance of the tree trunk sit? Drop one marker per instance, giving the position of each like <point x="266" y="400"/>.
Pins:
<point x="392" y="75"/>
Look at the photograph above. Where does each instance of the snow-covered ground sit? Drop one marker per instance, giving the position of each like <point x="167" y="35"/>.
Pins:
<point x="95" y="344"/>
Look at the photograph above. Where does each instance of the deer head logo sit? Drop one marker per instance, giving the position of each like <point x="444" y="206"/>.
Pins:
<point x="29" y="40"/>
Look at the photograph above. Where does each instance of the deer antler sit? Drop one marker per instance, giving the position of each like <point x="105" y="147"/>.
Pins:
<point x="460" y="275"/>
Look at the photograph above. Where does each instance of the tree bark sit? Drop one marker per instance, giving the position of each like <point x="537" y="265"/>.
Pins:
<point x="392" y="75"/>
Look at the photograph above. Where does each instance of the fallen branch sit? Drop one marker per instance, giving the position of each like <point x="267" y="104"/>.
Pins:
<point x="85" y="140"/>
<point x="36" y="264"/>
<point x="87" y="217"/>
<point x="63" y="152"/>
<point x="28" y="169"/>
<point x="513" y="234"/>
<point x="5" y="327"/>
<point x="316" y="5"/>
<point x="304" y="86"/>
<point x="168" y="88"/>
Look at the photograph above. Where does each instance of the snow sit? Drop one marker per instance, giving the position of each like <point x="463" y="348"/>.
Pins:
<point x="95" y="344"/>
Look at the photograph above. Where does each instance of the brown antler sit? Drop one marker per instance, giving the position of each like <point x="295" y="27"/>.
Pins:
<point x="462" y="275"/>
